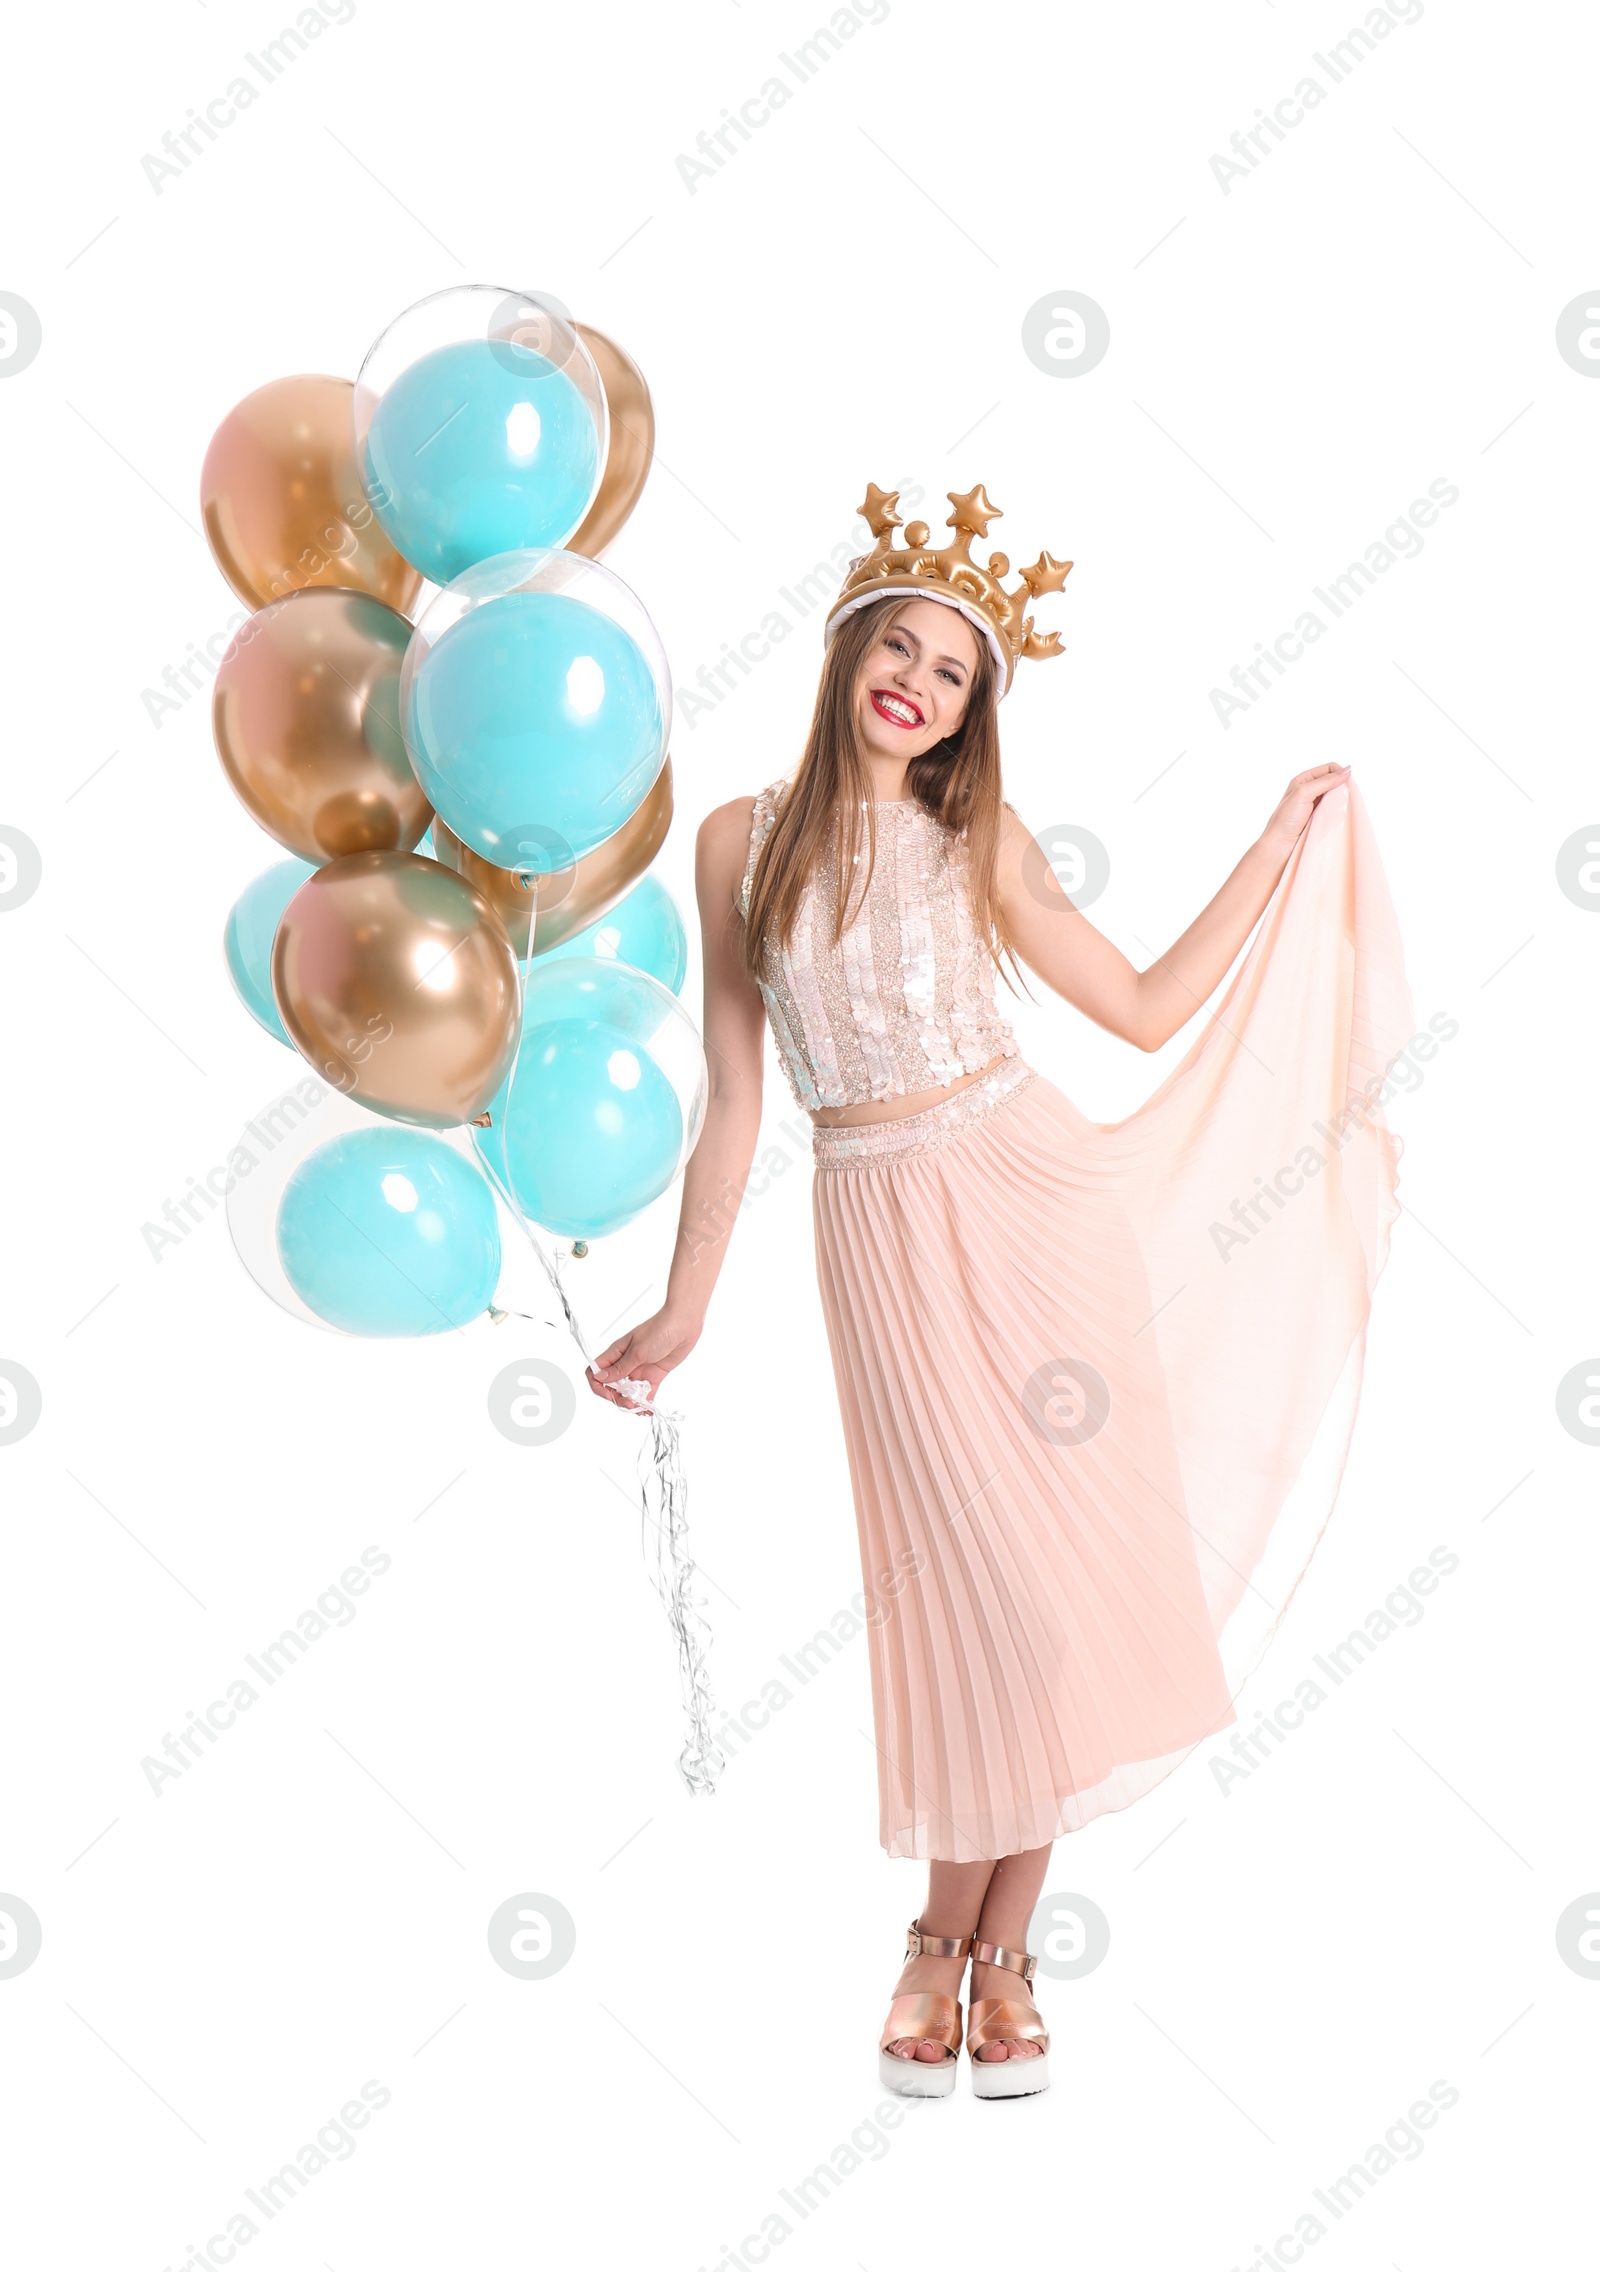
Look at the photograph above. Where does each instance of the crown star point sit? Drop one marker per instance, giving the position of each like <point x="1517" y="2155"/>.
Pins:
<point x="973" y="511"/>
<point x="877" y="509"/>
<point x="1046" y="575"/>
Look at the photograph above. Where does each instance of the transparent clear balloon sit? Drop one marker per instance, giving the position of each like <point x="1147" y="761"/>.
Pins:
<point x="479" y="424"/>
<point x="536" y="704"/>
<point x="605" y="1100"/>
<point x="274" y="1143"/>
<point x="644" y="929"/>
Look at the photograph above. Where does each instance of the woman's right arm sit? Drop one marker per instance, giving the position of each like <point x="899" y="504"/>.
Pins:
<point x="714" y="1179"/>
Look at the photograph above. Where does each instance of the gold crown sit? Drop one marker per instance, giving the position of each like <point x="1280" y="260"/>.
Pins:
<point x="950" y="573"/>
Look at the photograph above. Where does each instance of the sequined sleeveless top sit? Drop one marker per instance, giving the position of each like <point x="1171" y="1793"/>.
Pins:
<point x="905" y="1001"/>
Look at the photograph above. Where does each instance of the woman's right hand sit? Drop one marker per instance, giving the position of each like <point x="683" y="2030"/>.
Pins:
<point x="647" y="1352"/>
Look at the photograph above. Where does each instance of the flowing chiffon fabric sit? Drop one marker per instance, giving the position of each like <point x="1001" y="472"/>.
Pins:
<point x="1098" y="1381"/>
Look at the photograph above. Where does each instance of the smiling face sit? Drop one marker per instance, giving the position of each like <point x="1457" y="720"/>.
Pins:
<point x="914" y="682"/>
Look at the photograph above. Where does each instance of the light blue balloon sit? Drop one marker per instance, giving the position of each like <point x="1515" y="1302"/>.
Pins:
<point x="590" y="1129"/>
<point x="479" y="447"/>
<point x="389" y="1231"/>
<point x="247" y="938"/>
<point x="644" y="930"/>
<point x="535" y="726"/>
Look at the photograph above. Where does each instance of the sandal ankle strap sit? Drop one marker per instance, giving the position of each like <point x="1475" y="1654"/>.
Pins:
<point x="1008" y="1960"/>
<point x="919" y="1943"/>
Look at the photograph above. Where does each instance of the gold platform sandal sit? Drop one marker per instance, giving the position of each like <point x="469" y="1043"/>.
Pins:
<point x="997" y="2019"/>
<point x="924" y="2018"/>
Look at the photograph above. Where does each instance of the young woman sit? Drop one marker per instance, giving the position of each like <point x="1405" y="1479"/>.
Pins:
<point x="1097" y="1382"/>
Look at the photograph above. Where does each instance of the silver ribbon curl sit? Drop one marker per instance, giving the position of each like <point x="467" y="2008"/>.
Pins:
<point x="660" y="1470"/>
<point x="661" y="1476"/>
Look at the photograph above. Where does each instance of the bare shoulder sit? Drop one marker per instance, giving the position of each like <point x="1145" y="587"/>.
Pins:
<point x="727" y="824"/>
<point x="1015" y="837"/>
<point x="723" y="837"/>
<point x="721" y="847"/>
<point x="1023" y="873"/>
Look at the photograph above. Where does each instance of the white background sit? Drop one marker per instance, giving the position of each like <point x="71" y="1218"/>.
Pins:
<point x="1292" y="361"/>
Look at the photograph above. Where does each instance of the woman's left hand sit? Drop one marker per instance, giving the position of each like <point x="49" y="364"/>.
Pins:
<point x="1298" y="802"/>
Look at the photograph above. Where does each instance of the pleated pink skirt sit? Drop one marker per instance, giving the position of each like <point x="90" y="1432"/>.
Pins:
<point x="1098" y="1380"/>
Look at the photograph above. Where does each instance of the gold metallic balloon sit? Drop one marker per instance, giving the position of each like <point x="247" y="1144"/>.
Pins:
<point x="396" y="980"/>
<point x="632" y="425"/>
<point x="306" y="714"/>
<point x="281" y="503"/>
<point x="569" y="899"/>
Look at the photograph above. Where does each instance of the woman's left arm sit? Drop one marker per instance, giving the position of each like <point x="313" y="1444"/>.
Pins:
<point x="1147" y="1007"/>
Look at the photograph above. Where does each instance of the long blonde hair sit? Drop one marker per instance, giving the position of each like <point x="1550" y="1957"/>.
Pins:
<point x="957" y="781"/>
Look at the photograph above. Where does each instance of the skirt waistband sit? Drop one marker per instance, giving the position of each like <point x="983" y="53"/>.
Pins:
<point x="868" y="1144"/>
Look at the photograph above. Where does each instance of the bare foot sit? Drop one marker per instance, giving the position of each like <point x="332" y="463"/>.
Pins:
<point x="926" y="1976"/>
<point x="994" y="1980"/>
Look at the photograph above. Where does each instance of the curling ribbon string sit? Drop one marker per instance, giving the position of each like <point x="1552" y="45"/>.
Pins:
<point x="661" y="1476"/>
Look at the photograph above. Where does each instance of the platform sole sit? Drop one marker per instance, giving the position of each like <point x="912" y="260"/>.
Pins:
<point x="1010" y="2078"/>
<point x="917" y="2078"/>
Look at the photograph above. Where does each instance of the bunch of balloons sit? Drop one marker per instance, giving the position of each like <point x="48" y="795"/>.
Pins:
<point x="455" y="721"/>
